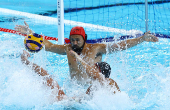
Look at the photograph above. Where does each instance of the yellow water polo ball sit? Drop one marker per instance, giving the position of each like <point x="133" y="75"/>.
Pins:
<point x="33" y="42"/>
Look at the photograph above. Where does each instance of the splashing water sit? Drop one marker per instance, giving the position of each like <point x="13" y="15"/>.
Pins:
<point x="141" y="72"/>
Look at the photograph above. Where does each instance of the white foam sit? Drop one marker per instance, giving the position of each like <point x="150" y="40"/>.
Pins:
<point x="105" y="100"/>
<point x="19" y="86"/>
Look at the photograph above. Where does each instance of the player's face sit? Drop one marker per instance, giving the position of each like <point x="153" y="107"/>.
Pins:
<point x="77" y="41"/>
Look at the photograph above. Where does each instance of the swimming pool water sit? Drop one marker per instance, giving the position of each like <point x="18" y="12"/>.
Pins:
<point x="142" y="72"/>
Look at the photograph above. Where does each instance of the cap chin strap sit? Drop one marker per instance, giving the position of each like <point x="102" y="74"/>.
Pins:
<point x="98" y="67"/>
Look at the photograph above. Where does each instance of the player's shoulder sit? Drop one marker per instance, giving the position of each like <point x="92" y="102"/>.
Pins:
<point x="96" y="45"/>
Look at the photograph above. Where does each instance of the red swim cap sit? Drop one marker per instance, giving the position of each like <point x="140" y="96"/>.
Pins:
<point x="78" y="30"/>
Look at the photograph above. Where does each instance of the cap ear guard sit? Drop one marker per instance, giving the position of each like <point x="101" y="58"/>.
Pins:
<point x="85" y="38"/>
<point x="104" y="68"/>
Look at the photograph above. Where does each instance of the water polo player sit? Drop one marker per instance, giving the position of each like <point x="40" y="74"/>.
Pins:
<point x="91" y="53"/>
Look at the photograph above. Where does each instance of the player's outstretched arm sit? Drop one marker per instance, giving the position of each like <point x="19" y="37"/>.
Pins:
<point x="60" y="49"/>
<point x="40" y="71"/>
<point x="132" y="42"/>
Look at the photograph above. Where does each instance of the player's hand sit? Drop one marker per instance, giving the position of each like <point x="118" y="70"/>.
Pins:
<point x="24" y="56"/>
<point x="72" y="53"/>
<point x="149" y="37"/>
<point x="24" y="29"/>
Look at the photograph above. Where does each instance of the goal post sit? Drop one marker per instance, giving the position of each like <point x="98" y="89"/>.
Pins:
<point x="146" y="15"/>
<point x="60" y="16"/>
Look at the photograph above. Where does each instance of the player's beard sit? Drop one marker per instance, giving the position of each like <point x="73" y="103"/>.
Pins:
<point x="78" y="49"/>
